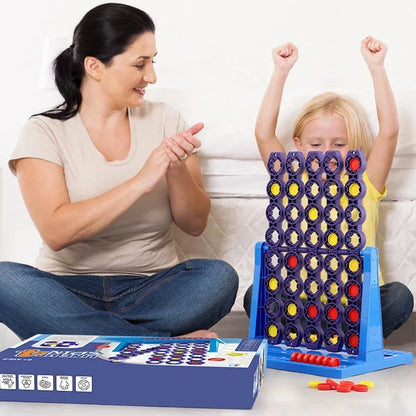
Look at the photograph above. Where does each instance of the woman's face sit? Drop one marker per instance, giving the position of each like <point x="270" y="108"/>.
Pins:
<point x="124" y="80"/>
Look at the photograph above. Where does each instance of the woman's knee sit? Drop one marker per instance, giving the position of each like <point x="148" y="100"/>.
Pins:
<point x="9" y="272"/>
<point x="16" y="281"/>
<point x="225" y="276"/>
<point x="217" y="282"/>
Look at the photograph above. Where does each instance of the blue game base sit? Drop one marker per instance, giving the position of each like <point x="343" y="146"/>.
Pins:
<point x="216" y="373"/>
<point x="371" y="355"/>
<point x="279" y="358"/>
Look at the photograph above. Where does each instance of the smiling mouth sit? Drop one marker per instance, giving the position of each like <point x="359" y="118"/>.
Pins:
<point x="140" y="91"/>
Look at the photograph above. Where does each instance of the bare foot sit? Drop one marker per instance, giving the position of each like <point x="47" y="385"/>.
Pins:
<point x="202" y="333"/>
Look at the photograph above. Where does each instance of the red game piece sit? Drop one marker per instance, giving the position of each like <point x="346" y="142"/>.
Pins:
<point x="332" y="383"/>
<point x="333" y="313"/>
<point x="354" y="315"/>
<point x="343" y="388"/>
<point x="324" y="386"/>
<point x="334" y="362"/>
<point x="347" y="383"/>
<point x="313" y="358"/>
<point x="313" y="311"/>
<point x="354" y="340"/>
<point x="326" y="360"/>
<point x="354" y="290"/>
<point x="292" y="261"/>
<point x="300" y="356"/>
<point x="360" y="387"/>
<point x="355" y="164"/>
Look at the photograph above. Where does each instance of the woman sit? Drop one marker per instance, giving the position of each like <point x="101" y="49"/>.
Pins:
<point x="103" y="176"/>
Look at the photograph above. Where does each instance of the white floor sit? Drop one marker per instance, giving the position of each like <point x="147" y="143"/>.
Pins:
<point x="283" y="392"/>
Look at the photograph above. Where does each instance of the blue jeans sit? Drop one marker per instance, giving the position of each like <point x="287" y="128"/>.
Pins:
<point x="193" y="295"/>
<point x="396" y="305"/>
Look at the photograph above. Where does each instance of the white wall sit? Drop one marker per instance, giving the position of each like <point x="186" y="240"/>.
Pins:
<point x="213" y="63"/>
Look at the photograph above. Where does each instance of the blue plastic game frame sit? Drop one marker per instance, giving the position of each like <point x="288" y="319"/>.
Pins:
<point x="371" y="355"/>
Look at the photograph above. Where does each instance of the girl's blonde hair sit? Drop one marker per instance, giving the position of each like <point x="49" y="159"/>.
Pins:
<point x="359" y="137"/>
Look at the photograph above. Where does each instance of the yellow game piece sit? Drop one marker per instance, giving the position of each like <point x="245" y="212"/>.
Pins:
<point x="354" y="265"/>
<point x="314" y="384"/>
<point x="292" y="309"/>
<point x="273" y="283"/>
<point x="354" y="189"/>
<point x="294" y="189"/>
<point x="369" y="384"/>
<point x="313" y="214"/>
<point x="273" y="331"/>
<point x="332" y="239"/>
<point x="275" y="189"/>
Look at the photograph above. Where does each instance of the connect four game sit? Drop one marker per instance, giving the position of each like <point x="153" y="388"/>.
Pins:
<point x="316" y="292"/>
<point x="212" y="373"/>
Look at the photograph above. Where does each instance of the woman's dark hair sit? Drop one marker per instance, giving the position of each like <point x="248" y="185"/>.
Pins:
<point x="105" y="31"/>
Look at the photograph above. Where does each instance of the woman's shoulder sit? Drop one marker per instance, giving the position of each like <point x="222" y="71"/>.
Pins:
<point x="47" y="124"/>
<point x="44" y="129"/>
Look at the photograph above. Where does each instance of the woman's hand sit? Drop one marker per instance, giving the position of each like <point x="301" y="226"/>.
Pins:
<point x="172" y="152"/>
<point x="180" y="146"/>
<point x="154" y="169"/>
<point x="284" y="57"/>
<point x="374" y="51"/>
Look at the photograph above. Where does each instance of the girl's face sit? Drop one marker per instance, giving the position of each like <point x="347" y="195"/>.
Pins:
<point x="125" y="79"/>
<point x="326" y="132"/>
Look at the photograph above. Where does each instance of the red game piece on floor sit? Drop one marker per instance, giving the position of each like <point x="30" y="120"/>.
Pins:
<point x="360" y="387"/>
<point x="332" y="383"/>
<point x="343" y="388"/>
<point x="324" y="386"/>
<point x="346" y="383"/>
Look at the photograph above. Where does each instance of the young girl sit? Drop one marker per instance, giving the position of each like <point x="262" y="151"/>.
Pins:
<point x="333" y="122"/>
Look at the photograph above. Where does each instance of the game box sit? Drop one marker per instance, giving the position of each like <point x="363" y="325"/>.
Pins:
<point x="217" y="373"/>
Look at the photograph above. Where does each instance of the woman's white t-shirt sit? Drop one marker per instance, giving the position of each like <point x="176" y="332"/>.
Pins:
<point x="139" y="242"/>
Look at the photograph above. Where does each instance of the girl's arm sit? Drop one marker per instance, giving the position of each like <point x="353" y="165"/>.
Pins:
<point x="284" y="57"/>
<point x="381" y="156"/>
